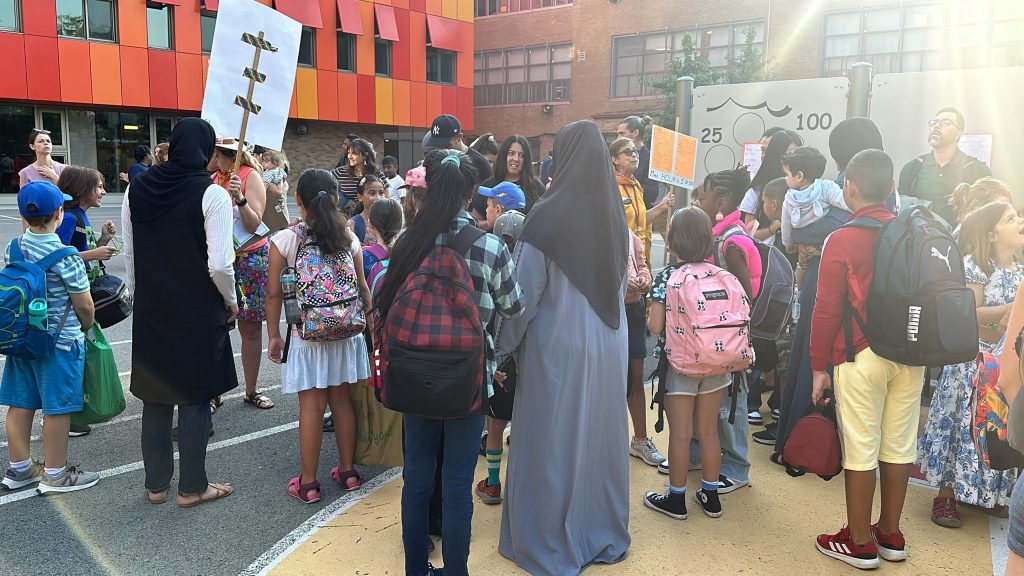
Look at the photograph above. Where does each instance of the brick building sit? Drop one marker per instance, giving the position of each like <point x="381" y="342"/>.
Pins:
<point x="542" y="63"/>
<point x="104" y="76"/>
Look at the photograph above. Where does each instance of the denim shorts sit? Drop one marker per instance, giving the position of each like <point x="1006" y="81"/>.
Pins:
<point x="1015" y="536"/>
<point x="53" y="383"/>
<point x="636" y="326"/>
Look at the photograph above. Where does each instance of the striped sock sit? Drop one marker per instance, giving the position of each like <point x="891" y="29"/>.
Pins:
<point x="709" y="486"/>
<point x="494" y="467"/>
<point x="680" y="490"/>
<point x="20" y="467"/>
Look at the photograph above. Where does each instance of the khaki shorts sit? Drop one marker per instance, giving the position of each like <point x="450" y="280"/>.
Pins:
<point x="878" y="404"/>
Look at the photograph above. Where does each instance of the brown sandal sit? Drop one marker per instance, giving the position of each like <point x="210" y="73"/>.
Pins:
<point x="222" y="491"/>
<point x="259" y="400"/>
<point x="156" y="498"/>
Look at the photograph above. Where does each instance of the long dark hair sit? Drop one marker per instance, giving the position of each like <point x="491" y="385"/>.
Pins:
<point x="369" y="156"/>
<point x="532" y="187"/>
<point x="343" y="161"/>
<point x="318" y="191"/>
<point x="451" y="179"/>
<point x="771" y="166"/>
<point x="386" y="218"/>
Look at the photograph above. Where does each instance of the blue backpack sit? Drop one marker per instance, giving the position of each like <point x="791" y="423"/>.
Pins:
<point x="21" y="282"/>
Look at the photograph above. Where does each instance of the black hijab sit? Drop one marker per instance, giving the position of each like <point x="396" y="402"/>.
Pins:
<point x="164" y="187"/>
<point x="579" y="222"/>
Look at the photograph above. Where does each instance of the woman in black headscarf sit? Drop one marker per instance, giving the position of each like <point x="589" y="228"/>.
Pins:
<point x="571" y="433"/>
<point x="179" y="252"/>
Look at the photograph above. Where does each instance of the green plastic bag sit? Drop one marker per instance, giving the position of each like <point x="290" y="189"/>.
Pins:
<point x="104" y="397"/>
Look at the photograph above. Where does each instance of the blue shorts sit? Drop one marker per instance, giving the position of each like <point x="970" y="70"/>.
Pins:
<point x="53" y="383"/>
<point x="636" y="326"/>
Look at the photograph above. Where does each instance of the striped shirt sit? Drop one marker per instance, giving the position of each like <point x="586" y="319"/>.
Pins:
<point x="66" y="277"/>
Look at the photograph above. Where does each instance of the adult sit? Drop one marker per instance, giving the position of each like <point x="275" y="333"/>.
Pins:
<point x="446" y="133"/>
<point x="361" y="160"/>
<point x="249" y="198"/>
<point x="345" y="145"/>
<point x="451" y="178"/>
<point x="143" y="160"/>
<point x="393" y="183"/>
<point x="625" y="160"/>
<point x="160" y="153"/>
<point x="635" y="128"/>
<point x="487" y="147"/>
<point x="567" y="486"/>
<point x="179" y="254"/>
<point x="1010" y="371"/>
<point x="933" y="176"/>
<point x="514" y="164"/>
<point x="776" y="143"/>
<point x="990" y="238"/>
<point x="44" y="167"/>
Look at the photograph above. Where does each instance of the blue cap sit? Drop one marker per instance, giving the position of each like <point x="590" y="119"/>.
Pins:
<point x="508" y="194"/>
<point x="40" y="198"/>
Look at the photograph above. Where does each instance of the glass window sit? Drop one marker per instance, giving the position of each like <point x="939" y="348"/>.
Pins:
<point x="9" y="16"/>
<point x="346" y="52"/>
<point x="207" y="22"/>
<point x="440" y="66"/>
<point x="160" y="26"/>
<point x="99" y="17"/>
<point x="492" y="7"/>
<point x="382" y="57"/>
<point x="71" y="18"/>
<point x="518" y="75"/>
<point x="117" y="135"/>
<point x="307" y="47"/>
<point x="163" y="127"/>
<point x="53" y="122"/>
<point x="15" y="124"/>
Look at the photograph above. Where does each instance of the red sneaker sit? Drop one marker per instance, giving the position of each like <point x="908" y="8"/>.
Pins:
<point x="841" y="547"/>
<point x="944" y="512"/>
<point x="489" y="494"/>
<point x="891" y="547"/>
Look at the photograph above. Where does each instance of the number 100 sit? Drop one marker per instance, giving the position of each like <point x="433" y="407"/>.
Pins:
<point x="814" y="121"/>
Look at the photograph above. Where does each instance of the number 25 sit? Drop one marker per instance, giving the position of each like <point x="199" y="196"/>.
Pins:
<point x="711" y="135"/>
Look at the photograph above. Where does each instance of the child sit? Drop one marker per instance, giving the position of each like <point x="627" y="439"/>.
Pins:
<point x="508" y="227"/>
<point x="689" y="400"/>
<point x="53" y="383"/>
<point x="386" y="222"/>
<point x="502" y="198"/>
<point x="809" y="201"/>
<point x="319" y="371"/>
<point x="275" y="176"/>
<point x="369" y="191"/>
<point x="394" y="182"/>
<point x="877" y="400"/>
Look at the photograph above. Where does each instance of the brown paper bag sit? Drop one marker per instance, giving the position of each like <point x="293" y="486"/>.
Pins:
<point x="378" y="430"/>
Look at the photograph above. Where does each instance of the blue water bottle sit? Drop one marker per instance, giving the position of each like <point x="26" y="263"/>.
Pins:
<point x="796" y="307"/>
<point x="37" y="315"/>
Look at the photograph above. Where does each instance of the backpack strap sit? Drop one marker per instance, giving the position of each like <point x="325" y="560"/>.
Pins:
<point x="661" y="373"/>
<point x="79" y="229"/>
<point x="867" y="222"/>
<point x="376" y="279"/>
<point x="16" y="255"/>
<point x="57" y="255"/>
<point x="719" y="252"/>
<point x="915" y="170"/>
<point x="466" y="237"/>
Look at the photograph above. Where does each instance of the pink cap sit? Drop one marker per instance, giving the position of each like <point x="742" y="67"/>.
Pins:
<point x="415" y="177"/>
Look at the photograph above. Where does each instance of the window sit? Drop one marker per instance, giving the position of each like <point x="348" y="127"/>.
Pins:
<point x="10" y="19"/>
<point x="207" y="22"/>
<point x="520" y="75"/>
<point x="307" y="47"/>
<point x="492" y="7"/>
<point x="87" y="19"/>
<point x="640" y="58"/>
<point x="346" y="51"/>
<point x="381" y="52"/>
<point x="160" y="25"/>
<point x="440" y="66"/>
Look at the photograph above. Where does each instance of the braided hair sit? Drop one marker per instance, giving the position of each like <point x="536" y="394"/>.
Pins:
<point x="731" y="184"/>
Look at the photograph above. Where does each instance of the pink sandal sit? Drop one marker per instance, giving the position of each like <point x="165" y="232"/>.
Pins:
<point x="344" y="477"/>
<point x="301" y="491"/>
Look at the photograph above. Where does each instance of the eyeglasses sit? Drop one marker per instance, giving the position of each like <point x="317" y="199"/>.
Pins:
<point x="630" y="152"/>
<point x="945" y="123"/>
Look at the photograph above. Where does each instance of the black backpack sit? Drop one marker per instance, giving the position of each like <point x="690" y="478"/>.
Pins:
<point x="770" y="310"/>
<point x="919" y="309"/>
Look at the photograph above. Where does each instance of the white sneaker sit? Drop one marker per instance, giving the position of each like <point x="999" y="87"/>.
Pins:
<point x="754" y="417"/>
<point x="663" y="467"/>
<point x="646" y="451"/>
<point x="70" y="480"/>
<point x="727" y="485"/>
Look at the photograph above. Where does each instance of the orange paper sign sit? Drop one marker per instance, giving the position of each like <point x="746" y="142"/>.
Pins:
<point x="673" y="157"/>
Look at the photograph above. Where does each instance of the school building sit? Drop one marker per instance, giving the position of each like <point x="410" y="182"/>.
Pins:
<point x="542" y="63"/>
<point x="104" y="76"/>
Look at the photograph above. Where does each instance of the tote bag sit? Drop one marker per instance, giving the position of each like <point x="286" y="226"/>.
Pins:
<point x="104" y="397"/>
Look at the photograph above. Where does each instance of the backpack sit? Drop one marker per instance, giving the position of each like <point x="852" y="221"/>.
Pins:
<point x="327" y="291"/>
<point x="379" y="268"/>
<point x="813" y="445"/>
<point x="770" y="312"/>
<point x="919" y="309"/>
<point x="990" y="412"/>
<point x="22" y="282"/>
<point x="707" y="321"/>
<point x="433" y="345"/>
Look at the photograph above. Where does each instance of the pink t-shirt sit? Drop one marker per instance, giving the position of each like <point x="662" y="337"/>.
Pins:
<point x="31" y="174"/>
<point x="746" y="245"/>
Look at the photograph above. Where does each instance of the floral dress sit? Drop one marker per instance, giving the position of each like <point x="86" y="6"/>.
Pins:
<point x="946" y="452"/>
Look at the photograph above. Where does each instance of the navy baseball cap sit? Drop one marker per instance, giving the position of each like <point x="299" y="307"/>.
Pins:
<point x="444" y="128"/>
<point x="508" y="194"/>
<point x="40" y="198"/>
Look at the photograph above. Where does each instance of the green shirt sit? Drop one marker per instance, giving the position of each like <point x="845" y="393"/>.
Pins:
<point x="923" y="178"/>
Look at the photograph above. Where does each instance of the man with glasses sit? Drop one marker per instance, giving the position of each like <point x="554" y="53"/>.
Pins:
<point x="933" y="176"/>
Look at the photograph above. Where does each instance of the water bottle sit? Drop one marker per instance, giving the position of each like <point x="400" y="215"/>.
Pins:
<point x="37" y="315"/>
<point x="796" y="307"/>
<point x="292" y="314"/>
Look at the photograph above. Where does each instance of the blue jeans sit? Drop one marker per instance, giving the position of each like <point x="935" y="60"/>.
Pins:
<point x="461" y="447"/>
<point x="733" y="438"/>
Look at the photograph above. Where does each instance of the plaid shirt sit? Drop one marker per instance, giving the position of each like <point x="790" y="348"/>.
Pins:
<point x="494" y="279"/>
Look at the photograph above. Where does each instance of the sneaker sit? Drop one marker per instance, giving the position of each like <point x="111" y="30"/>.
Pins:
<point x="329" y="423"/>
<point x="726" y="485"/>
<point x="431" y="571"/>
<point x="891" y="547"/>
<point x="667" y="503"/>
<point x="754" y="417"/>
<point x="14" y="480"/>
<point x="708" y="502"/>
<point x="489" y="494"/>
<point x="768" y="435"/>
<point x="70" y="480"/>
<point x="944" y="512"/>
<point x="77" y="430"/>
<point x="841" y="547"/>
<point x="776" y="414"/>
<point x="663" y="467"/>
<point x="646" y="451"/>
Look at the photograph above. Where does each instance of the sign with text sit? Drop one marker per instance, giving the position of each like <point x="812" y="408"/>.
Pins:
<point x="673" y="156"/>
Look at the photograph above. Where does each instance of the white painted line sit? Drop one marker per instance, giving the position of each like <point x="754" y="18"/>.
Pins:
<point x="235" y="355"/>
<point x="998" y="529"/>
<point x="26" y="494"/>
<point x="285" y="546"/>
<point x="9" y="217"/>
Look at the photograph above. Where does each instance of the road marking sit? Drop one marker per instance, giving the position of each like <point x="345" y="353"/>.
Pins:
<point x="110" y="473"/>
<point x="285" y="546"/>
<point x="10" y="217"/>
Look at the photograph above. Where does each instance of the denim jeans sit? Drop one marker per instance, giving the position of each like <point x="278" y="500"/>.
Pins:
<point x="733" y="438"/>
<point x="461" y="446"/>
<point x="158" y="448"/>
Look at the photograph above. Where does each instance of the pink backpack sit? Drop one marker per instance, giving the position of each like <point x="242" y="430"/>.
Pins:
<point x="707" y="321"/>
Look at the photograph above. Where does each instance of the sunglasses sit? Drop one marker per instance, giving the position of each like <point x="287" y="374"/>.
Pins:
<point x="40" y="131"/>
<point x="630" y="152"/>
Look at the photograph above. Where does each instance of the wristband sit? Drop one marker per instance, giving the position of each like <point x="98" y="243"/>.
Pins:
<point x="241" y="202"/>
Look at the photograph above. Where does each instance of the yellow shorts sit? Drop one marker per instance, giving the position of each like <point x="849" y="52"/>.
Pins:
<point x="878" y="405"/>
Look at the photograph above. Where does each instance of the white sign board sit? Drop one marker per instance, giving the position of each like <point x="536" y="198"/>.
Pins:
<point x="232" y="56"/>
<point x="727" y="118"/>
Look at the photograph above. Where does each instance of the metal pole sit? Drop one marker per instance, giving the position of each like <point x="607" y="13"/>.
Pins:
<point x="684" y="118"/>
<point x="858" y="104"/>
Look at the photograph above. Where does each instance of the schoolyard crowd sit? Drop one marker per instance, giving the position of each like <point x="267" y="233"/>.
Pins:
<point x="528" y="294"/>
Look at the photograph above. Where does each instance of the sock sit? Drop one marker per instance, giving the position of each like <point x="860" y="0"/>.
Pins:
<point x="674" y="490"/>
<point x="494" y="466"/>
<point x="709" y="486"/>
<point x="54" y="472"/>
<point x="20" y="467"/>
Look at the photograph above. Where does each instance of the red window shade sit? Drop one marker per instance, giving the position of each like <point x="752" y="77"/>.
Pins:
<point x="170" y="2"/>
<point x="386" y="24"/>
<point x="210" y="5"/>
<point x="348" y="11"/>
<point x="306" y="12"/>
<point x="444" y="33"/>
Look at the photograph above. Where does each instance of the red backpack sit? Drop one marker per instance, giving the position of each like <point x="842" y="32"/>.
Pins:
<point x="813" y="445"/>
<point x="433" y="345"/>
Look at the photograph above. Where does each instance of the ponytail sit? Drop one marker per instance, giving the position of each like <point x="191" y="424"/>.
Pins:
<point x="967" y="197"/>
<point x="318" y="191"/>
<point x="386" y="219"/>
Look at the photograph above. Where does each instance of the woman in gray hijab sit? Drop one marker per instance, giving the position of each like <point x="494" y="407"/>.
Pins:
<point x="567" y="486"/>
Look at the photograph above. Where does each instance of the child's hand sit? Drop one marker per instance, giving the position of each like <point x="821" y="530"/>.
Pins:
<point x="821" y="382"/>
<point x="109" y="229"/>
<point x="275" y="348"/>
